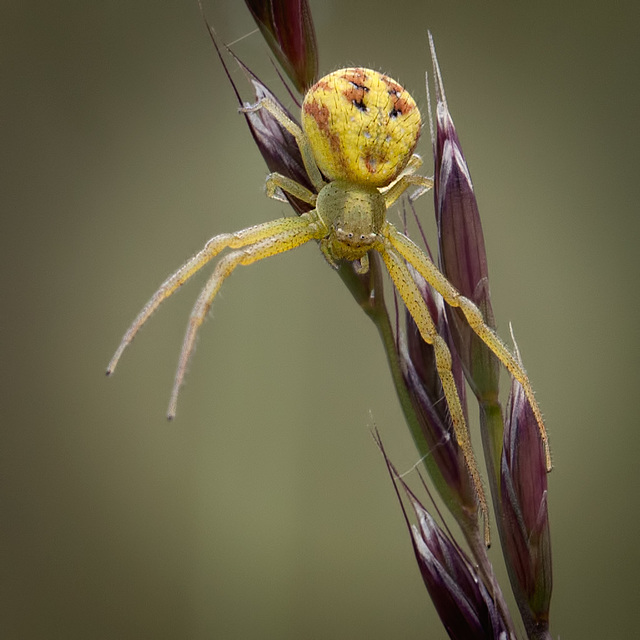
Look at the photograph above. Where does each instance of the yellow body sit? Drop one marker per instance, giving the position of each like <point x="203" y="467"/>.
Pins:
<point x="362" y="126"/>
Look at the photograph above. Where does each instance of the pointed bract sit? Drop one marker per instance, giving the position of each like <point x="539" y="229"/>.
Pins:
<point x="462" y="254"/>
<point x="464" y="604"/>
<point x="527" y="542"/>
<point x="287" y="27"/>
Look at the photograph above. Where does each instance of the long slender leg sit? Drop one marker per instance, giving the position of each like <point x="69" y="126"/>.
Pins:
<point x="298" y="233"/>
<point x="417" y="307"/>
<point x="421" y="262"/>
<point x="236" y="240"/>
<point x="294" y="129"/>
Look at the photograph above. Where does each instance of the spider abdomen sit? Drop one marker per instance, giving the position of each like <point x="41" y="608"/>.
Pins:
<point x="362" y="126"/>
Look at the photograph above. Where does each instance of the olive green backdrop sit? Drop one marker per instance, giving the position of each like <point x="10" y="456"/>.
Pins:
<point x="265" y="510"/>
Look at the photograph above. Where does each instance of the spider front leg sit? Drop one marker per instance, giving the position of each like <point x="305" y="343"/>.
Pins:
<point x="427" y="269"/>
<point x="288" y="234"/>
<point x="417" y="307"/>
<point x="248" y="236"/>
<point x="294" y="129"/>
<point x="277" y="181"/>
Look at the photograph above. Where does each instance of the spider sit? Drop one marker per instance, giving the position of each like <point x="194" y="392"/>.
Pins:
<point x="359" y="131"/>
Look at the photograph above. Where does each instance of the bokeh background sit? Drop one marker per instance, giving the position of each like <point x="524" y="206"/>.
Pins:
<point x="265" y="510"/>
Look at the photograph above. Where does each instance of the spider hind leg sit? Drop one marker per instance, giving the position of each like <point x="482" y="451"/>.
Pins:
<point x="417" y="307"/>
<point x="427" y="269"/>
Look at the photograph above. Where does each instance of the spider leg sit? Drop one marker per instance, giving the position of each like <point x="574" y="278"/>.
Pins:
<point x="294" y="129"/>
<point x="277" y="181"/>
<point x="407" y="177"/>
<point x="296" y="232"/>
<point x="236" y="240"/>
<point x="403" y="183"/>
<point x="417" y="307"/>
<point x="413" y="164"/>
<point x="427" y="269"/>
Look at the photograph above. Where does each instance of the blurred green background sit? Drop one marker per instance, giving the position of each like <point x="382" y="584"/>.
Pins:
<point x="265" y="510"/>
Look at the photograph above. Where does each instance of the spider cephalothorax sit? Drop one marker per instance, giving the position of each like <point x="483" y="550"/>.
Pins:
<point x="359" y="130"/>
<point x="354" y="216"/>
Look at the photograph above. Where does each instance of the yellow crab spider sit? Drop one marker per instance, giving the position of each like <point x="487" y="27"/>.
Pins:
<point x="359" y="131"/>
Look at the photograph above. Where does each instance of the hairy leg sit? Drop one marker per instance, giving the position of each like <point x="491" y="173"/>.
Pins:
<point x="236" y="240"/>
<point x="300" y="231"/>
<point x="417" y="307"/>
<point x="427" y="269"/>
<point x="278" y="181"/>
